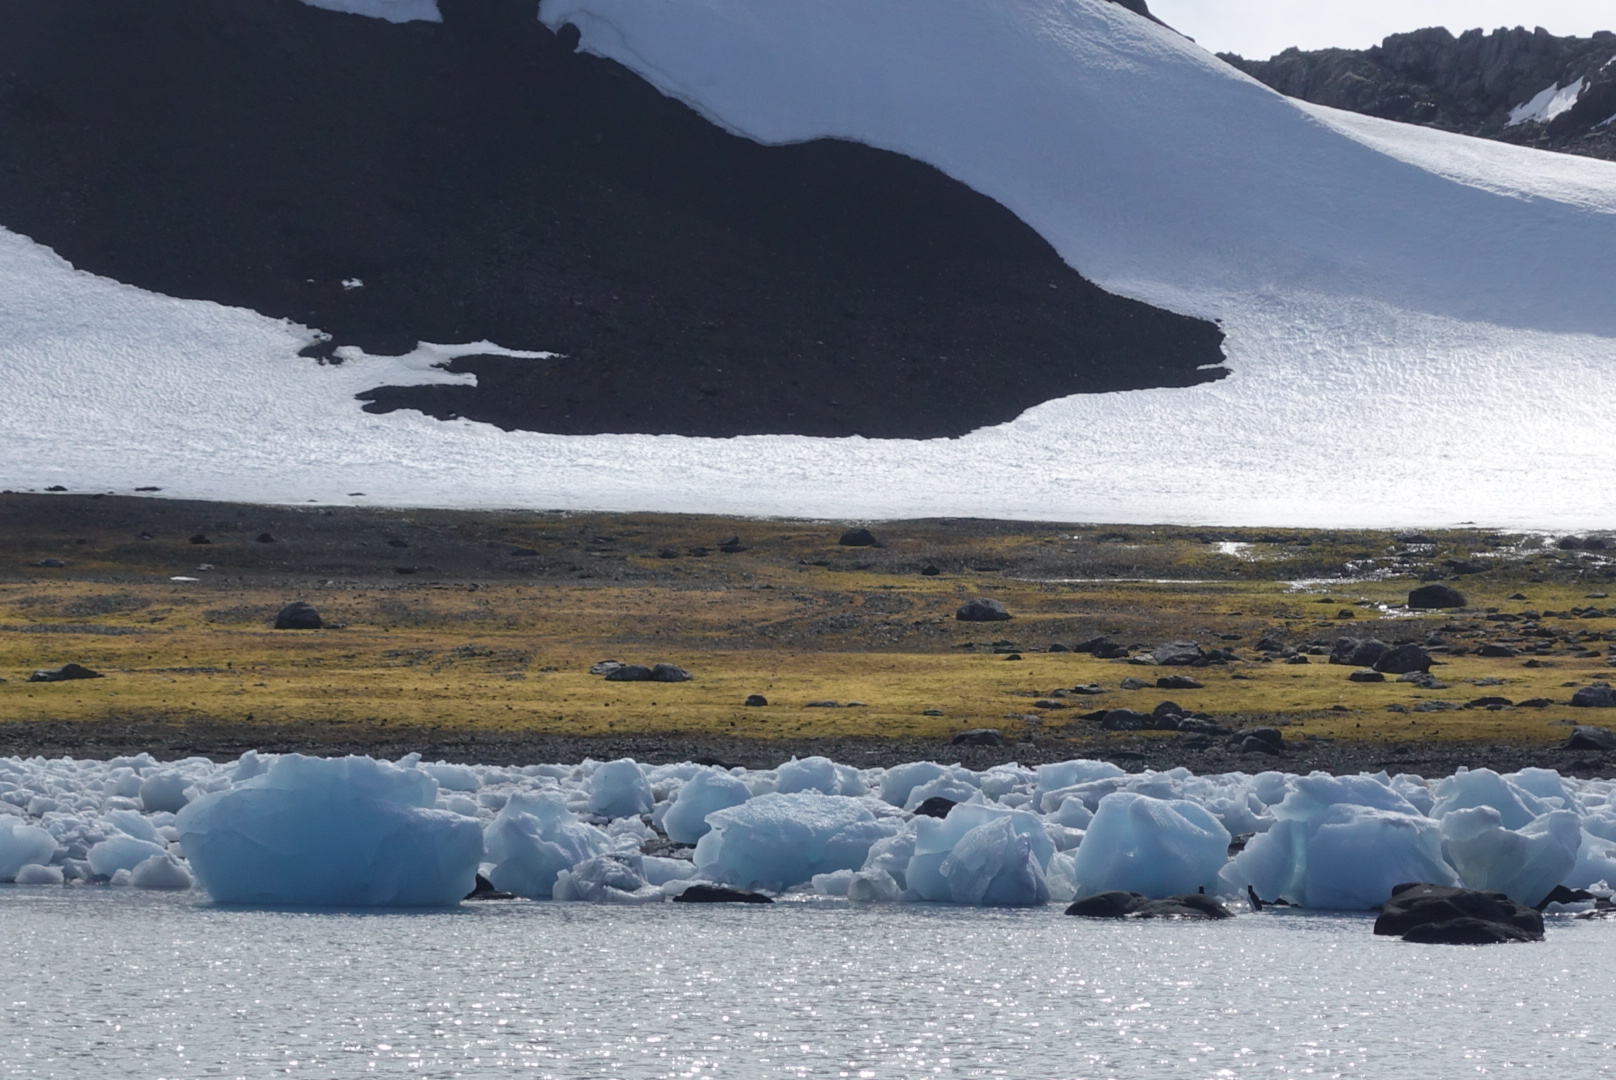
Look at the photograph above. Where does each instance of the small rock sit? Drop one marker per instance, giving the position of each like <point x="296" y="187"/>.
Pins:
<point x="858" y="537"/>
<point x="936" y="806"/>
<point x="1366" y="675"/>
<point x="982" y="609"/>
<point x="1056" y="646"/>
<point x="667" y="553"/>
<point x="1128" y="905"/>
<point x="51" y="564"/>
<point x="1492" y="649"/>
<point x="718" y="894"/>
<point x="979" y="737"/>
<point x="65" y="673"/>
<point x="298" y="615"/>
<point x="1177" y="654"/>
<point x="1441" y="914"/>
<point x="1594" y="697"/>
<point x="756" y="701"/>
<point x="201" y="538"/>
<point x="629" y="673"/>
<point x="605" y="667"/>
<point x="1430" y="597"/>
<point x="1297" y="659"/>
<point x="825" y="704"/>
<point x="1131" y="683"/>
<point x="265" y="538"/>
<point x="929" y="570"/>
<point x="670" y="673"/>
<point x="931" y="712"/>
<point x="1125" y="720"/>
<point x="1178" y="682"/>
<point x="1013" y="656"/>
<point x="1403" y="659"/>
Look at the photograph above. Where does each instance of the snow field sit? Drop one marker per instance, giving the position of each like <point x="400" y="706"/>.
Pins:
<point x="1441" y="302"/>
<point x="292" y="830"/>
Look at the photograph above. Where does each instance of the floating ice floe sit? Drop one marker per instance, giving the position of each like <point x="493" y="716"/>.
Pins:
<point x="293" y="830"/>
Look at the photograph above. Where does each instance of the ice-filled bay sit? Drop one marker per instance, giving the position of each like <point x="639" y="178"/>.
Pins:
<point x="808" y="988"/>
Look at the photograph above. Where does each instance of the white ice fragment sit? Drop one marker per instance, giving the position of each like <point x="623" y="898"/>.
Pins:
<point x="1157" y="847"/>
<point x="160" y="872"/>
<point x="779" y="840"/>
<point x="132" y="823"/>
<point x="1066" y="774"/>
<point x="898" y="781"/>
<point x="533" y="839"/>
<point x="819" y="774"/>
<point x="1523" y="864"/>
<point x="453" y="777"/>
<point x="123" y="852"/>
<point x="620" y="789"/>
<point x="685" y="821"/>
<point x="948" y="786"/>
<point x="612" y="878"/>
<point x="248" y="766"/>
<point x="35" y="874"/>
<point x="835" y="883"/>
<point x="660" y="871"/>
<point x="344" y="831"/>
<point x="1482" y="787"/>
<point x="1596" y="862"/>
<point x="869" y="886"/>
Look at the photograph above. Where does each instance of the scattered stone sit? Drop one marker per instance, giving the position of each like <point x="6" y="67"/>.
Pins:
<point x="1430" y="597"/>
<point x="1130" y="905"/>
<point x="1177" y="654"/>
<point x="1403" y="659"/>
<point x="1516" y="596"/>
<point x="1437" y="706"/>
<point x="979" y="737"/>
<point x="1534" y="703"/>
<point x="929" y="570"/>
<point x="1131" y="683"/>
<point x="298" y="615"/>
<point x="756" y="701"/>
<point x="605" y="667"/>
<point x="1358" y="652"/>
<point x="1597" y="696"/>
<point x="1087" y="689"/>
<point x="982" y="609"/>
<point x="1056" y="646"/>
<point x="1443" y="915"/>
<point x="1013" y="656"/>
<point x="1490" y="702"/>
<point x="265" y="538"/>
<point x="524" y="553"/>
<point x="1046" y="703"/>
<point x="718" y="894"/>
<point x="931" y="712"/>
<point x="1265" y="740"/>
<point x="670" y="673"/>
<point x="1125" y="720"/>
<point x="65" y="673"/>
<point x="823" y="704"/>
<point x="858" y="537"/>
<point x="667" y="553"/>
<point x="1496" y="650"/>
<point x="201" y="538"/>
<point x="1366" y="675"/>
<point x="629" y="673"/>
<point x="936" y="806"/>
<point x="51" y="564"/>
<point x="1424" y="680"/>
<point x="1297" y="659"/>
<point x="1178" y="682"/>
<point x="1569" y="543"/>
<point x="1588" y="737"/>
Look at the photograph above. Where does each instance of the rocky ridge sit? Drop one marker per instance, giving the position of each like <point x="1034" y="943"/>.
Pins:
<point x="1527" y="87"/>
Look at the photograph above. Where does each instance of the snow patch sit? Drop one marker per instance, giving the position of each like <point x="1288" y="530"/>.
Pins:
<point x="1546" y="104"/>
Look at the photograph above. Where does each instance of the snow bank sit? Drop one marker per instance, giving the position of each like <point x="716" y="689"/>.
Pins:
<point x="350" y="831"/>
<point x="1390" y="280"/>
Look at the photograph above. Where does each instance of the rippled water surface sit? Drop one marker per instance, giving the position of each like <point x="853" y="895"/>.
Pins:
<point x="112" y="983"/>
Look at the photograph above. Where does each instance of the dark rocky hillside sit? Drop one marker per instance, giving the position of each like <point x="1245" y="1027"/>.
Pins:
<point x="1468" y="84"/>
<point x="479" y="179"/>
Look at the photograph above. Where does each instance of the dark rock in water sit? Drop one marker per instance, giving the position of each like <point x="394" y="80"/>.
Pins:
<point x="1129" y="905"/>
<point x="1594" y="697"/>
<point x="65" y="673"/>
<point x="1178" y="682"/>
<point x="982" y="609"/>
<point x="1441" y="914"/>
<point x="1586" y="737"/>
<point x="979" y="737"/>
<point x="1431" y="597"/>
<point x="1358" y="652"/>
<point x="755" y="701"/>
<point x="669" y="673"/>
<point x="1177" y="654"/>
<point x="629" y="673"/>
<point x="1366" y="675"/>
<point x="1562" y="895"/>
<point x="1467" y="931"/>
<point x="298" y="615"/>
<point x="1403" y="659"/>
<point x="718" y="894"/>
<point x="484" y="890"/>
<point x="936" y="806"/>
<point x="858" y="537"/>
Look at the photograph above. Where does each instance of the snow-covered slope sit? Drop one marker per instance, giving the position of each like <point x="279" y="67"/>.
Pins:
<point x="1419" y="326"/>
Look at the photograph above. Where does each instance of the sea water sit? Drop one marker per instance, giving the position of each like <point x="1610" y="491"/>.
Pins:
<point x="108" y="982"/>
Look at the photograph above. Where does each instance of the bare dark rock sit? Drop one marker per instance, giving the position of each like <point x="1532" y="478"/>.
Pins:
<point x="1130" y="905"/>
<point x="1441" y="914"/>
<point x="982" y="609"/>
<point x="1436" y="596"/>
<point x="979" y="737"/>
<point x="718" y="894"/>
<point x="65" y="673"/>
<point x="298" y="615"/>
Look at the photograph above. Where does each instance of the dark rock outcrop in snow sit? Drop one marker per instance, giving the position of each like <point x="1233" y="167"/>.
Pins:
<point x="477" y="179"/>
<point x="1474" y="84"/>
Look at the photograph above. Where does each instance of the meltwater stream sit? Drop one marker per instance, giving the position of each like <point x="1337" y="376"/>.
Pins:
<point x="119" y="983"/>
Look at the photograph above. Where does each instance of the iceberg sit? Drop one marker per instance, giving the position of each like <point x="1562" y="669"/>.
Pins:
<point x="685" y="821"/>
<point x="1524" y="864"/>
<point x="979" y="854"/>
<point x="23" y="845"/>
<point x="779" y="840"/>
<point x="533" y="839"/>
<point x="619" y="789"/>
<point x="1155" y="847"/>
<point x="347" y="831"/>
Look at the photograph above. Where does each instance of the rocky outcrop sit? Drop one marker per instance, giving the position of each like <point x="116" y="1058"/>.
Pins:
<point x="1131" y="905"/>
<point x="1522" y="86"/>
<point x="1443" y="915"/>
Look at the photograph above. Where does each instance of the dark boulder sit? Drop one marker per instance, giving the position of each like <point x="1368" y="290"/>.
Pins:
<point x="65" y="673"/>
<point x="1586" y="737"/>
<point x="265" y="538"/>
<point x="979" y="737"/>
<point x="629" y="673"/>
<point x="1594" y="697"/>
<point x="1430" y="597"/>
<point x="717" y="894"/>
<point x="669" y="673"/>
<point x="298" y="616"/>
<point x="1178" y="682"/>
<point x="1260" y="739"/>
<point x="936" y="806"/>
<point x="1129" y="905"/>
<point x="201" y="538"/>
<point x="1366" y="675"/>
<point x="1502" y="652"/>
<point x="1126" y="720"/>
<point x="1403" y="659"/>
<point x="1442" y="914"/>
<point x="982" y="609"/>
<point x="1177" y="654"/>
<point x="605" y="667"/>
<point x="755" y="701"/>
<point x="1358" y="652"/>
<point x="858" y="537"/>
